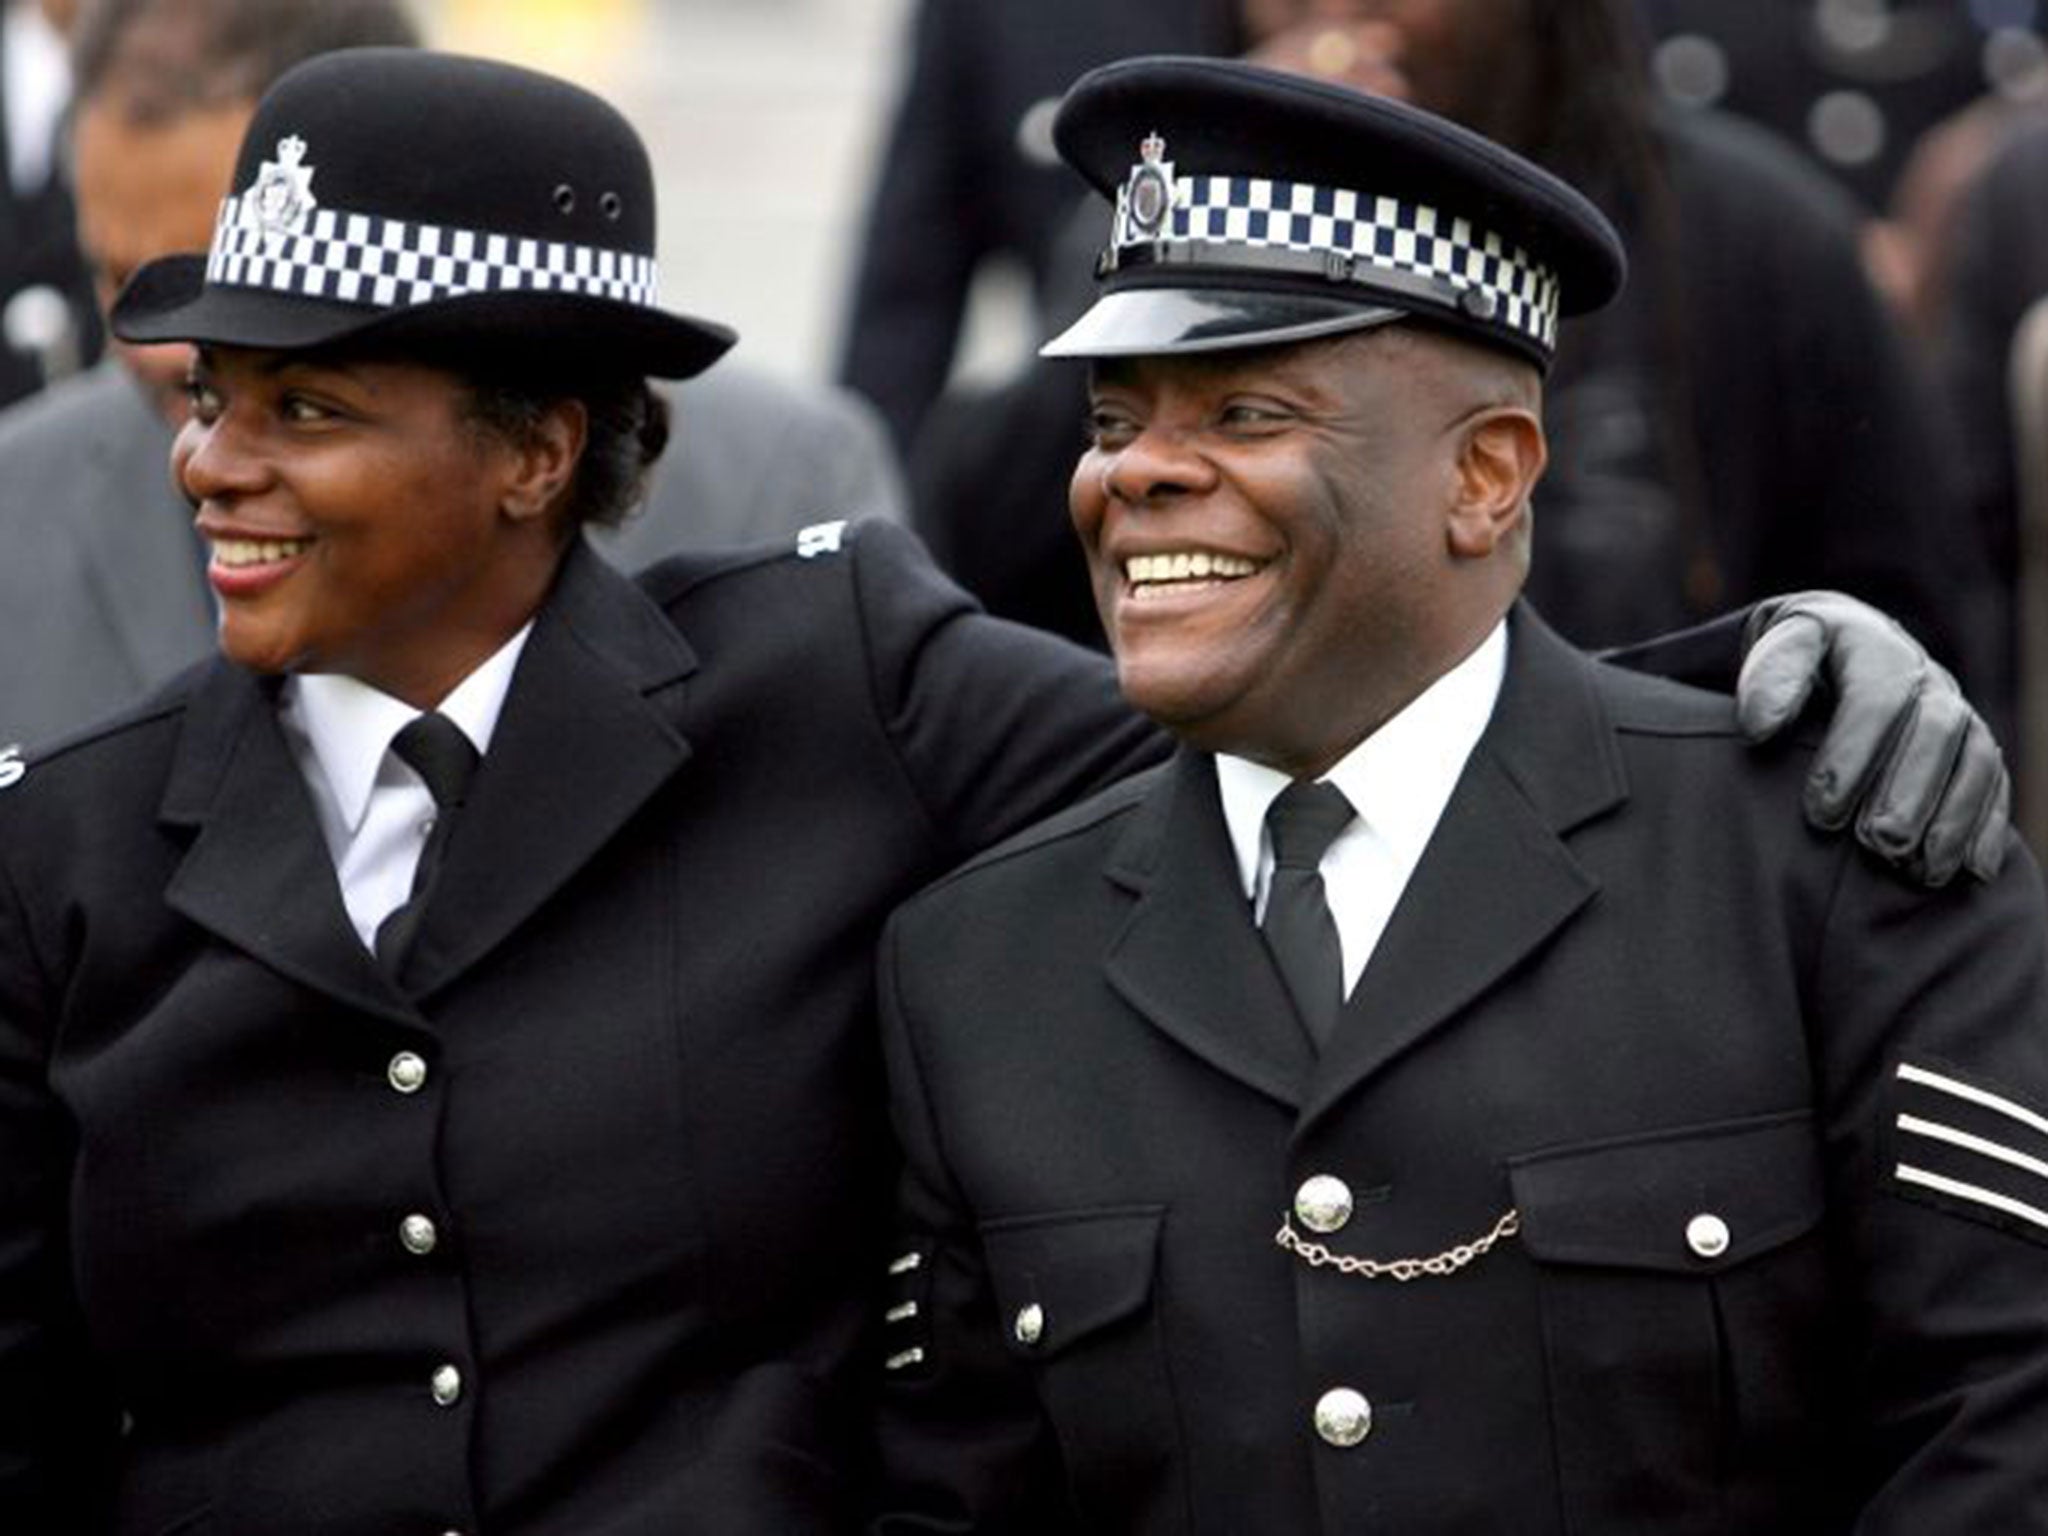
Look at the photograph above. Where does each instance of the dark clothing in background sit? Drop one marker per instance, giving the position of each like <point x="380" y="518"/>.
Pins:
<point x="988" y="492"/>
<point x="987" y="481"/>
<point x="1999" y="267"/>
<point x="1747" y="418"/>
<point x="39" y="248"/>
<point x="1915" y="62"/>
<point x="963" y="177"/>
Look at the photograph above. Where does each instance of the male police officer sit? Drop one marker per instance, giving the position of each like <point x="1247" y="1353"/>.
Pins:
<point x="1637" y="1164"/>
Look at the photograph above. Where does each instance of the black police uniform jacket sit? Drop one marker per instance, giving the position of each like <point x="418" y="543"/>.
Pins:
<point x="645" y="1119"/>
<point x="1773" y="1128"/>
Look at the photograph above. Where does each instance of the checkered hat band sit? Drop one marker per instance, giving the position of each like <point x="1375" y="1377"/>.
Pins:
<point x="1363" y="234"/>
<point x="361" y="258"/>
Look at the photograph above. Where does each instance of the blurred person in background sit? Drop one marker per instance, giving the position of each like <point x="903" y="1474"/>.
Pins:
<point x="1911" y="250"/>
<point x="48" y="324"/>
<point x="1857" y="84"/>
<point x="967" y="174"/>
<point x="101" y="573"/>
<point x="1901" y="101"/>
<point x="1997" y="270"/>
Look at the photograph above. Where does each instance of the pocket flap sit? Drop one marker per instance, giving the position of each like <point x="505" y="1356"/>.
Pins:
<point x="1694" y="1200"/>
<point x="1061" y="1277"/>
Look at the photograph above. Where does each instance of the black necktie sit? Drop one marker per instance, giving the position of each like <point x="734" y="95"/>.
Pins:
<point x="1303" y="821"/>
<point x="434" y="747"/>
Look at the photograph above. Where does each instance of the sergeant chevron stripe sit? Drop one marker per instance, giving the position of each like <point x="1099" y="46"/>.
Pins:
<point x="1913" y="1125"/>
<point x="1976" y="1193"/>
<point x="1962" y="1139"/>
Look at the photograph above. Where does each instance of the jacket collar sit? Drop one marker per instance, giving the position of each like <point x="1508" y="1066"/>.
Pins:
<point x="1189" y="959"/>
<point x="1496" y="881"/>
<point x="1499" y="877"/>
<point x="586" y="737"/>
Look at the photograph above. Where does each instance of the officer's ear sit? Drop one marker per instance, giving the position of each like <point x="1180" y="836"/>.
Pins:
<point x="540" y="465"/>
<point x="1500" y="453"/>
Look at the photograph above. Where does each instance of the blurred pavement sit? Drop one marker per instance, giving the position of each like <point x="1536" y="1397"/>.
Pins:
<point x="762" y="117"/>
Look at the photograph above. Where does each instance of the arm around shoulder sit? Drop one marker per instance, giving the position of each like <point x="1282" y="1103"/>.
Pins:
<point x="996" y="724"/>
<point x="1906" y="760"/>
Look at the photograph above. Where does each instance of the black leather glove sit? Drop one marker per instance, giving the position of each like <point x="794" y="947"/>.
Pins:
<point x="1904" y="754"/>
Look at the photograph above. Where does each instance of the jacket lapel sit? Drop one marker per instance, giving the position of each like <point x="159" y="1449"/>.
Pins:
<point x="258" y="874"/>
<point x="1189" y="959"/>
<point x="1497" y="879"/>
<point x="583" y="742"/>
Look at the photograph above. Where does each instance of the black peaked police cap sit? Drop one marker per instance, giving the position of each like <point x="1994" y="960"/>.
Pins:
<point x="1255" y="207"/>
<point x="395" y="196"/>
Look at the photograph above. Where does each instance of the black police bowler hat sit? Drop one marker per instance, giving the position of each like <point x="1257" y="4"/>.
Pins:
<point x="397" y="196"/>
<point x="1255" y="207"/>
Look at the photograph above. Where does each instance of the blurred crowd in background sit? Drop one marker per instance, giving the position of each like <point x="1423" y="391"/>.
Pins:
<point x="1830" y="369"/>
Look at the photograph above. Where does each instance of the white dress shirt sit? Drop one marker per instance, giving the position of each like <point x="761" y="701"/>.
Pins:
<point x="1398" y="780"/>
<point x="374" y="810"/>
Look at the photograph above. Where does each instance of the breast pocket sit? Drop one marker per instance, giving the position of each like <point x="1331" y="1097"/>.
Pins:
<point x="1682" y="1286"/>
<point x="1078" y="1293"/>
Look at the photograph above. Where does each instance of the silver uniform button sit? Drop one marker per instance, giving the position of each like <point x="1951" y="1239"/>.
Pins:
<point x="1323" y="1203"/>
<point x="1707" y="1235"/>
<point x="407" y="1072"/>
<point x="418" y="1234"/>
<point x="1343" y="1417"/>
<point x="447" y="1385"/>
<point x="1030" y="1325"/>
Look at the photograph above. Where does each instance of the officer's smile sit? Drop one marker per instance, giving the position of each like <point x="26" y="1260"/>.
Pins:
<point x="239" y="554"/>
<point x="1149" y="576"/>
<point x="245" y="563"/>
<point x="231" y="551"/>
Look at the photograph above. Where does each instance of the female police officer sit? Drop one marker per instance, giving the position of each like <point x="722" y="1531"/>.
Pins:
<point x="540" y="1215"/>
<point x="435" y="1084"/>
